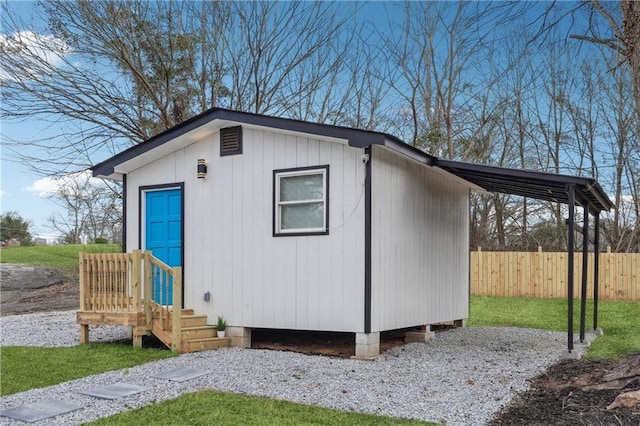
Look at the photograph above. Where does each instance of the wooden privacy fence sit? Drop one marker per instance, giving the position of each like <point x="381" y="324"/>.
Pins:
<point x="544" y="275"/>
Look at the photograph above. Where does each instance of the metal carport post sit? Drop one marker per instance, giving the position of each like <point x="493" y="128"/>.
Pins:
<point x="570" y="242"/>
<point x="596" y="268"/>
<point x="585" y="270"/>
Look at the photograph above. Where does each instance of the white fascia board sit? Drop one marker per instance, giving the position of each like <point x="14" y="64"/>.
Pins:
<point x="165" y="149"/>
<point x="472" y="186"/>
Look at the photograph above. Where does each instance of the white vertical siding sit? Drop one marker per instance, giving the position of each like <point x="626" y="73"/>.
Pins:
<point x="255" y="279"/>
<point x="420" y="234"/>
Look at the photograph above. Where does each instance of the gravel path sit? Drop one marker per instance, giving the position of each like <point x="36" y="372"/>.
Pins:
<point x="461" y="377"/>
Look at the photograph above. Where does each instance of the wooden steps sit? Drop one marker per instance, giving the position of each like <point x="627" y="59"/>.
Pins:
<point x="193" y="320"/>
<point x="196" y="345"/>
<point x="195" y="334"/>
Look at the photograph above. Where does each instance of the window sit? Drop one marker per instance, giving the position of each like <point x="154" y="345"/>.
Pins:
<point x="301" y="202"/>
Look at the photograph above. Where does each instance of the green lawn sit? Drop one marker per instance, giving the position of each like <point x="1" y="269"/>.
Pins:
<point x="619" y="320"/>
<point x="61" y="256"/>
<point x="25" y="368"/>
<point x="219" y="408"/>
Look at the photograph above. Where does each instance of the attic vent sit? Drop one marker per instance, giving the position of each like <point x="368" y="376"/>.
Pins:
<point x="231" y="141"/>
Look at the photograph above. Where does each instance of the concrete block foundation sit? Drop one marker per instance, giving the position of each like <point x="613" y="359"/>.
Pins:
<point x="367" y="345"/>
<point x="422" y="336"/>
<point x="574" y="354"/>
<point x="240" y="336"/>
<point x="460" y="322"/>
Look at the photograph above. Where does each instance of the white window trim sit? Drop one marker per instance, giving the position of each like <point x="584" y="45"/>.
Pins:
<point x="278" y="175"/>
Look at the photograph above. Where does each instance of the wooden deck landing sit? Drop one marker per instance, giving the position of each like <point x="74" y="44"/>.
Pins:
<point x="136" y="320"/>
<point x="116" y="289"/>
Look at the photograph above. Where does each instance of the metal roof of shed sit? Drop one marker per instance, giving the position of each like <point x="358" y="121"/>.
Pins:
<point x="216" y="118"/>
<point x="527" y="183"/>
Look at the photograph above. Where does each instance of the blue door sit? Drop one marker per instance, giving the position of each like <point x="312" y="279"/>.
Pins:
<point x="163" y="227"/>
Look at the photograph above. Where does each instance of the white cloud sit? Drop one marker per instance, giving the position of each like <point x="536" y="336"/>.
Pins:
<point x="3" y="193"/>
<point x="47" y="186"/>
<point x="39" y="52"/>
<point x="44" y="187"/>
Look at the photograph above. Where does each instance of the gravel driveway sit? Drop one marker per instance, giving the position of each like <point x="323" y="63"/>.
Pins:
<point x="461" y="377"/>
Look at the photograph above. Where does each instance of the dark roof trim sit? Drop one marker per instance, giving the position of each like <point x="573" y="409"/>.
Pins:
<point x="355" y="137"/>
<point x="411" y="152"/>
<point x="532" y="184"/>
<point x="527" y="183"/>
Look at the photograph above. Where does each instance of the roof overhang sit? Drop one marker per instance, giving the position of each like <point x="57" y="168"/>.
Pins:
<point x="531" y="184"/>
<point x="526" y="183"/>
<point x="214" y="119"/>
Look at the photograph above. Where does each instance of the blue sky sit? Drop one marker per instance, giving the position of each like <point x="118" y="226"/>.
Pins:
<point x="21" y="189"/>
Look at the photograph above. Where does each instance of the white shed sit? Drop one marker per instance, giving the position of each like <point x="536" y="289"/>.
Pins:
<point x="284" y="224"/>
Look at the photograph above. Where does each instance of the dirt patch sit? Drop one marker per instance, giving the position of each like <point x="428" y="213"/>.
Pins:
<point x="577" y="392"/>
<point x="27" y="289"/>
<point x="318" y="343"/>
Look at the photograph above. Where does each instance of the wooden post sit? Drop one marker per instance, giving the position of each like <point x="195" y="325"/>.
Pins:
<point x="609" y="275"/>
<point x="136" y="259"/>
<point x="102" y="299"/>
<point x="137" y="337"/>
<point x="82" y="282"/>
<point x="91" y="282"/>
<point x="147" y="290"/>
<point x="84" y="334"/>
<point x="539" y="290"/>
<point x="110" y="295"/>
<point x="84" y="328"/>
<point x="176" y="320"/>
<point x="479" y="277"/>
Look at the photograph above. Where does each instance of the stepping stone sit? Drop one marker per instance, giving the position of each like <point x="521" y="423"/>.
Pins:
<point x="115" y="390"/>
<point x="181" y="374"/>
<point x="39" y="410"/>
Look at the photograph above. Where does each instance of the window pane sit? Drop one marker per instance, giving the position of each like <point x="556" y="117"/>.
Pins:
<point x="302" y="216"/>
<point x="305" y="187"/>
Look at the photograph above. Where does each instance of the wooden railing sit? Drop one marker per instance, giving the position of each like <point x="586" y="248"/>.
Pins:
<point x="544" y="274"/>
<point x="110" y="282"/>
<point x="132" y="283"/>
<point x="164" y="285"/>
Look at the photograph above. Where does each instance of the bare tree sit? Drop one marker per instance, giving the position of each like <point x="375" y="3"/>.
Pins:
<point x="112" y="73"/>
<point x="284" y="52"/>
<point x="109" y="74"/>
<point x="91" y="209"/>
<point x="621" y="230"/>
<point x="623" y="36"/>
<point x="435" y="54"/>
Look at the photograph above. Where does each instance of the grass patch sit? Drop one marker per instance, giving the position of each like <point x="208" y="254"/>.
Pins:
<point x="25" y="368"/>
<point x="211" y="407"/>
<point x="619" y="320"/>
<point x="61" y="256"/>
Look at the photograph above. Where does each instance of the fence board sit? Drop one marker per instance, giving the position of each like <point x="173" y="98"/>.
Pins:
<point x="544" y="274"/>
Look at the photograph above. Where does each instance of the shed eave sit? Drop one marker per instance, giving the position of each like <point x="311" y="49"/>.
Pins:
<point x="210" y="121"/>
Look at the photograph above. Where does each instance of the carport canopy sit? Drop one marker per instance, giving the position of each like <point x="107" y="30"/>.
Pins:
<point x="569" y="190"/>
<point x="532" y="184"/>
